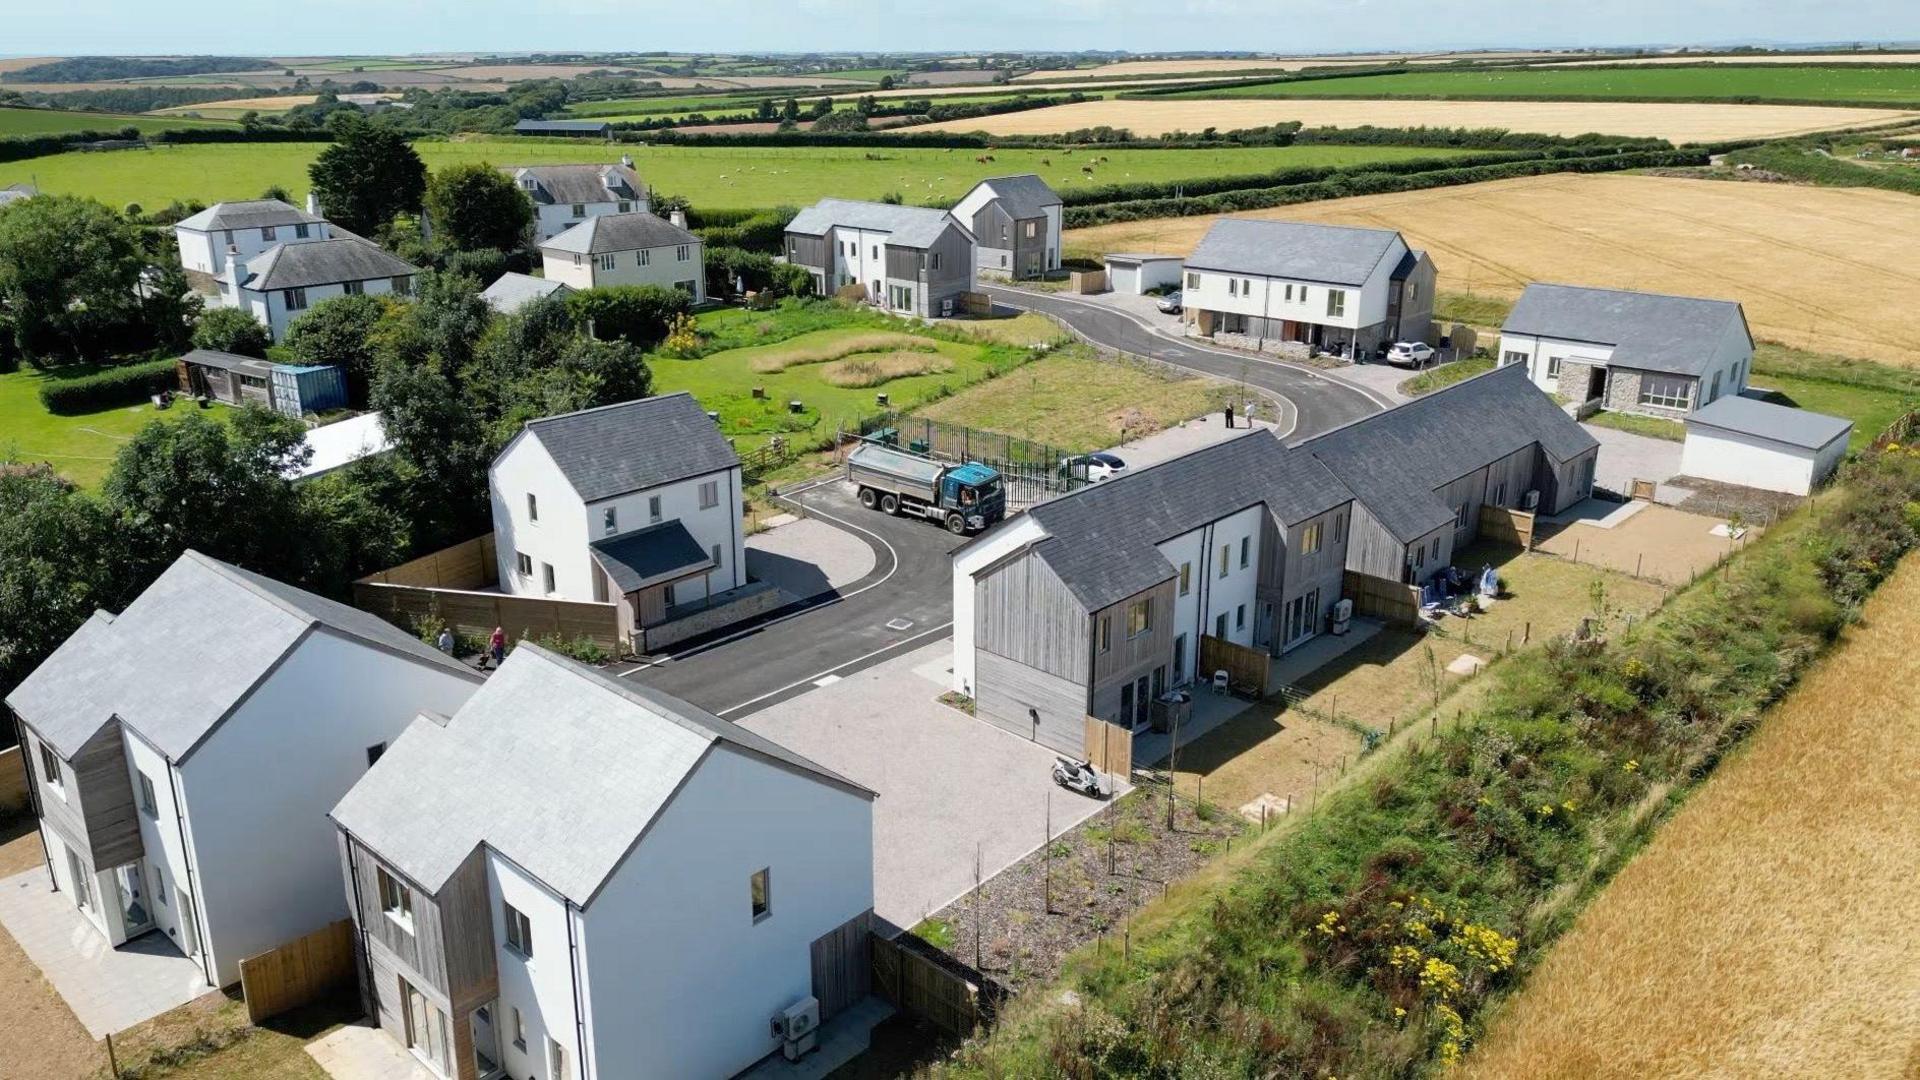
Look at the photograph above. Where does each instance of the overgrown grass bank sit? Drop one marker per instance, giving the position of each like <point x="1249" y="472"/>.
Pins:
<point x="1366" y="939"/>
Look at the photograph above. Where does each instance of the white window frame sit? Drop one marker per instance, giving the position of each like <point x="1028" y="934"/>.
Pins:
<point x="1246" y="550"/>
<point x="1514" y="356"/>
<point x="604" y="262"/>
<point x="1336" y="303"/>
<point x="1666" y="391"/>
<point x="294" y="299"/>
<point x="396" y="900"/>
<point x="610" y="521"/>
<point x="683" y="252"/>
<point x="269" y="234"/>
<point x="643" y="257"/>
<point x="50" y="773"/>
<point x="546" y="578"/>
<point x="1193" y="281"/>
<point x="653" y="509"/>
<point x="519" y="1030"/>
<point x="1553" y="366"/>
<point x="556" y="1059"/>
<point x="523" y="562"/>
<point x="1186" y="578"/>
<point x="149" y="803"/>
<point x="354" y="288"/>
<point x="533" y="507"/>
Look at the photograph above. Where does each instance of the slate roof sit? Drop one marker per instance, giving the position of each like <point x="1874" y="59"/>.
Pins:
<point x="1102" y="538"/>
<point x="552" y="764"/>
<point x="563" y="184"/>
<point x="649" y="556"/>
<point x="512" y="291"/>
<point x="620" y="232"/>
<point x="908" y="226"/>
<point x="185" y="652"/>
<point x="323" y="262"/>
<point x="1766" y="420"/>
<point x="1394" y="459"/>
<point x="1023" y="196"/>
<point x="1335" y="254"/>
<point x="634" y="445"/>
<point x="1676" y="335"/>
<point x="1407" y="262"/>
<point x="251" y="214"/>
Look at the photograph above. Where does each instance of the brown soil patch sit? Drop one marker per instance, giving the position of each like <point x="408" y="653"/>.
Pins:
<point x="1829" y="269"/>
<point x="1658" y="543"/>
<point x="1678" y="122"/>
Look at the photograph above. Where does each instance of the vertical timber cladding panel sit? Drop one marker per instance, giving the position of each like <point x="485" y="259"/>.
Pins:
<point x="13" y="779"/>
<point x="99" y="772"/>
<point x="1371" y="549"/>
<point x="1012" y="694"/>
<point x="954" y="279"/>
<point x="465" y="920"/>
<point x="1383" y="598"/>
<point x="1131" y="658"/>
<point x="300" y="972"/>
<point x="1024" y="612"/>
<point x="420" y="955"/>
<point x="842" y="966"/>
<point x="1109" y="747"/>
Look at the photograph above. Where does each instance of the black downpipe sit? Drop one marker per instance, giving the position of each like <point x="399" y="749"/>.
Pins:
<point x="370" y="997"/>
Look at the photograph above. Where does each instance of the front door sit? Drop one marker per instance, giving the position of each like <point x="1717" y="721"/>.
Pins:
<point x="486" y="1041"/>
<point x="135" y="915"/>
<point x="77" y="872"/>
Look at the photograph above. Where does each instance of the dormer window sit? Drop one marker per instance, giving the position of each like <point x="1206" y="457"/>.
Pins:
<point x="300" y="232"/>
<point x="530" y="184"/>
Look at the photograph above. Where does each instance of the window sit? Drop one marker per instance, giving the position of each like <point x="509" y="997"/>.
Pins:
<point x="159" y="885"/>
<point x="900" y="297"/>
<point x="933" y="261"/>
<point x="604" y="262"/>
<point x="1186" y="578"/>
<point x="1032" y="229"/>
<point x="519" y="1029"/>
<point x="374" y="752"/>
<point x="556" y="1060"/>
<point x="1226" y="559"/>
<point x="1715" y="391"/>
<point x="1240" y="617"/>
<point x="579" y="210"/>
<point x="82" y="888"/>
<point x="533" y="507"/>
<point x="1460" y="516"/>
<point x="546" y="576"/>
<point x="1193" y="281"/>
<point x="709" y="494"/>
<point x="600" y="588"/>
<point x="1179" y="657"/>
<point x="519" y="930"/>
<point x="653" y="509"/>
<point x="758" y="888"/>
<point x="1336" y="303"/>
<point x="666" y="594"/>
<point x="396" y="900"/>
<point x="1139" y="618"/>
<point x="296" y="299"/>
<point x="1220" y="625"/>
<point x="1310" y="539"/>
<point x="49" y="765"/>
<point x="1289" y="292"/>
<point x="1553" y="366"/>
<point x="716" y="556"/>
<point x="268" y="234"/>
<point x="147" y="802"/>
<point x="299" y="232"/>
<point x="876" y="251"/>
<point x="625" y="206"/>
<point x="1303" y="294"/>
<point x="643" y="257"/>
<point x="1666" y="391"/>
<point x="355" y="288"/>
<point x="1106" y="633"/>
<point x="1340" y="529"/>
<point x="1233" y="287"/>
<point x="1436" y="549"/>
<point x="524" y="563"/>
<point x="686" y="287"/>
<point x="401" y="286"/>
<point x="683" y="252"/>
<point x="1246" y="543"/>
<point x="1513" y="356"/>
<point x="610" y="521"/>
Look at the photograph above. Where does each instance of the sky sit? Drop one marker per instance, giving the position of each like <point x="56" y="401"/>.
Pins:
<point x="374" y="27"/>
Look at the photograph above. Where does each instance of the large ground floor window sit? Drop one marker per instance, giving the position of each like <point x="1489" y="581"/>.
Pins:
<point x="1666" y="391"/>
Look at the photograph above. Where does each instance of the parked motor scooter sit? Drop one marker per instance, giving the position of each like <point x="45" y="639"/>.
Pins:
<point x="1079" y="776"/>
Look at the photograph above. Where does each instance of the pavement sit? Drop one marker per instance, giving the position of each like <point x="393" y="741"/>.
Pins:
<point x="807" y="558"/>
<point x="1311" y="401"/>
<point x="361" y="1051"/>
<point x="951" y="787"/>
<point x="108" y="989"/>
<point x="840" y="1040"/>
<point x="1184" y="438"/>
<point x="1626" y="457"/>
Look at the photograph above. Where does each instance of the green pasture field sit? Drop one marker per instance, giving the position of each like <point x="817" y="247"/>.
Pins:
<point x="618" y="110"/>
<point x="55" y="121"/>
<point x="1838" y="84"/>
<point x="713" y="177"/>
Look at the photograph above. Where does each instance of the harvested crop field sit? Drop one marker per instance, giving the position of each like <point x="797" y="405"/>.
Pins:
<point x="1679" y="122"/>
<point x="1762" y="58"/>
<point x="1187" y="67"/>
<point x="1767" y="928"/>
<point x="276" y="104"/>
<point x="1828" y="269"/>
<point x="1890" y="85"/>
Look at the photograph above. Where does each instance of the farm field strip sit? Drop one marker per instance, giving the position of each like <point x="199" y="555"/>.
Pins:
<point x="1756" y="58"/>
<point x="713" y="176"/>
<point x="1765" y="929"/>
<point x="1865" y="85"/>
<point x="1828" y="270"/>
<point x="57" y="121"/>
<point x="1677" y="121"/>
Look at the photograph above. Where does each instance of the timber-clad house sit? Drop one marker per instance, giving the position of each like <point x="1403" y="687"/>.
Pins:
<point x="907" y="259"/>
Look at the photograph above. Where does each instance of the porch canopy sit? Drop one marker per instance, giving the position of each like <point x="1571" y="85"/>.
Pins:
<point x="655" y="555"/>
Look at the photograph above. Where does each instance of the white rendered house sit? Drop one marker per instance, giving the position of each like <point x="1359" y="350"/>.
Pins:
<point x="184" y="755"/>
<point x="1629" y="351"/>
<point x="1015" y="221"/>
<point x="637" y="502"/>
<point x="566" y="195"/>
<point x="282" y="283"/>
<point x="576" y="877"/>
<point x="248" y="228"/>
<point x="628" y="249"/>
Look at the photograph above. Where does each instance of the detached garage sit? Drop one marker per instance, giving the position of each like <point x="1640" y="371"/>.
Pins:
<point x="1756" y="444"/>
<point x="1137" y="274"/>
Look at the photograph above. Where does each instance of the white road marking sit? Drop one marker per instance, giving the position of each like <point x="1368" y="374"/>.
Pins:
<point x="828" y="680"/>
<point x="942" y="628"/>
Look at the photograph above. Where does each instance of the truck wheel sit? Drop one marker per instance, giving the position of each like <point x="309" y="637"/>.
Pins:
<point x="889" y="504"/>
<point x="868" y="499"/>
<point x="956" y="524"/>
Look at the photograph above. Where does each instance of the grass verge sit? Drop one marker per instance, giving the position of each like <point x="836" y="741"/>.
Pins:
<point x="1074" y="400"/>
<point x="1445" y="375"/>
<point x="1652" y="427"/>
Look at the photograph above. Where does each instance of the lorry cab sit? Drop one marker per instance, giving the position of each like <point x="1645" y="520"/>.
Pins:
<point x="977" y="492"/>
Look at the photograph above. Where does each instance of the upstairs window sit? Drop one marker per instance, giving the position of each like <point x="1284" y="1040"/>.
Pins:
<point x="610" y="521"/>
<point x="643" y="257"/>
<point x="296" y="299"/>
<point x="683" y="252"/>
<point x="1139" y="618"/>
<point x="1553" y="366"/>
<point x="148" y="804"/>
<point x="355" y="288"/>
<point x="268" y="234"/>
<point x="1310" y="539"/>
<point x="519" y="930"/>
<point x="401" y="286"/>
<point x="533" y="507"/>
<point x="605" y="262"/>
<point x="625" y="206"/>
<point x="1193" y="281"/>
<point x="653" y="509"/>
<point x="1336" y="303"/>
<point x="579" y="210"/>
<point x="396" y="900"/>
<point x="760" y="893"/>
<point x="709" y="494"/>
<point x="49" y="766"/>
<point x="300" y="232"/>
<point x="1186" y="578"/>
<point x="1246" y="544"/>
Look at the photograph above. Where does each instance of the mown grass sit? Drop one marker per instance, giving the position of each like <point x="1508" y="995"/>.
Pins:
<point x="16" y="121"/>
<point x="1366" y="939"/>
<point x="1832" y="83"/>
<point x="1078" y="402"/>
<point x="1652" y="427"/>
<point x="713" y="177"/>
<point x="79" y="447"/>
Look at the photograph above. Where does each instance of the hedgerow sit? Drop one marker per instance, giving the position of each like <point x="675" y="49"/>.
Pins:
<point x="110" y="387"/>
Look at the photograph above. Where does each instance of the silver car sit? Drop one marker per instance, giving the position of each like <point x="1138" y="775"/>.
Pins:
<point x="1170" y="303"/>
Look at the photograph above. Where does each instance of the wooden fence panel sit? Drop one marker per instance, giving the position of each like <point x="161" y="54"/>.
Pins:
<point x="1380" y="598"/>
<point x="13" y="781"/>
<point x="1503" y="526"/>
<point x="1245" y="667"/>
<point x="477" y="613"/>
<point x="467" y="565"/>
<point x="1087" y="282"/>
<point x="921" y="986"/>
<point x="300" y="972"/>
<point x="1109" y="747"/>
<point x="842" y="968"/>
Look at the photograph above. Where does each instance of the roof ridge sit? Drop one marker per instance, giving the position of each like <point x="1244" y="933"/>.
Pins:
<point x="614" y="405"/>
<point x="230" y="573"/>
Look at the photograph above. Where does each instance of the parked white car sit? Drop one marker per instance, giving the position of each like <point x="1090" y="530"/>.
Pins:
<point x="1092" y="468"/>
<point x="1410" y="353"/>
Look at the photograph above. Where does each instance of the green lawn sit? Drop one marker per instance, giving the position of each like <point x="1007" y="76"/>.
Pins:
<point x="1653" y="427"/>
<point x="81" y="447"/>
<point x="1836" y="83"/>
<point x="713" y="177"/>
<point x="1445" y="375"/>
<point x="58" y="121"/>
<point x="1079" y="402"/>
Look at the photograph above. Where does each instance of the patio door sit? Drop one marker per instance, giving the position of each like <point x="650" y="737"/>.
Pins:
<point x="77" y="871"/>
<point x="1303" y="618"/>
<point x="426" y="1034"/>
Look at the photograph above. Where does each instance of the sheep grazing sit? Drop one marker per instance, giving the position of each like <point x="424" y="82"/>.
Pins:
<point x="1046" y="161"/>
<point x="1088" y="169"/>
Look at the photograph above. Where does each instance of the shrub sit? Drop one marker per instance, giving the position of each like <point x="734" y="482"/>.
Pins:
<point x="637" y="313"/>
<point x="231" y="330"/>
<point x="109" y="388"/>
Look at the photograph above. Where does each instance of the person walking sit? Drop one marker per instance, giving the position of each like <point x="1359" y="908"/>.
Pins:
<point x="445" y="641"/>
<point x="497" y="646"/>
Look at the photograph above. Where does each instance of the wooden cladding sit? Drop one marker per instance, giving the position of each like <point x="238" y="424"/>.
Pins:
<point x="1109" y="747"/>
<point x="843" y="965"/>
<point x="1382" y="598"/>
<point x="1246" y="667"/>
<point x="298" y="973"/>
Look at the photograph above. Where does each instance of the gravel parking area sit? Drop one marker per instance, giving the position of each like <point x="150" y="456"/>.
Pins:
<point x="950" y="786"/>
<point x="44" y="1038"/>
<point x="1625" y="457"/>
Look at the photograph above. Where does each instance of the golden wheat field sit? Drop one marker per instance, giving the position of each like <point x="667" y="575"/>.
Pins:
<point x="1768" y="928"/>
<point x="1678" y="121"/>
<point x="1830" y="269"/>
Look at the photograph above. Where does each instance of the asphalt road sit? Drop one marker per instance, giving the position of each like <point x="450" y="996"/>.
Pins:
<point x="904" y="603"/>
<point x="1314" y="402"/>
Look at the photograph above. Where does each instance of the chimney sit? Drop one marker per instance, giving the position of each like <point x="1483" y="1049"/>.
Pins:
<point x="627" y="160"/>
<point x="313" y="204"/>
<point x="678" y="217"/>
<point x="237" y="268"/>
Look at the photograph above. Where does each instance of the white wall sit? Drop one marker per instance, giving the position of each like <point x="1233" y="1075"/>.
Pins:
<point x="865" y="265"/>
<point x="259" y="788"/>
<point x="558" y="538"/>
<point x="160" y="836"/>
<point x="682" y="981"/>
<point x="1734" y="458"/>
<point x="1267" y="297"/>
<point x="1187" y="550"/>
<point x="270" y="307"/>
<point x="716" y="525"/>
<point x="1228" y="594"/>
<point x="207" y="251"/>
<point x="664" y="268"/>
<point x="552" y="219"/>
<point x="541" y="986"/>
<point x="1539" y="351"/>
<point x="1053" y="236"/>
<point x="990" y="548"/>
<point x="95" y="911"/>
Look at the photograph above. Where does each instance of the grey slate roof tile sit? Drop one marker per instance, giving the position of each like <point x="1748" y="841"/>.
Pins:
<point x="634" y="445"/>
<point x="250" y="214"/>
<point x="512" y="291"/>
<point x="908" y="226"/>
<point x="1335" y="254"/>
<point x="561" y="185"/>
<point x="323" y="262"/>
<point x="1676" y="335"/>
<point x="648" y="556"/>
<point x="1024" y="196"/>
<point x="620" y="232"/>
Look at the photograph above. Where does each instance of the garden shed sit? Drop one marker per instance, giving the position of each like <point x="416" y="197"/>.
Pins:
<point x="292" y="389"/>
<point x="1758" y="444"/>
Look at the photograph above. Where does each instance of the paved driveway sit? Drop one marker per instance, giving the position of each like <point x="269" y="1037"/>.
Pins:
<point x="1626" y="457"/>
<point x="948" y="784"/>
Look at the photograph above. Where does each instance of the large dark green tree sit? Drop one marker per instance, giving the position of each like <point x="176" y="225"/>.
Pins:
<point x="340" y="332"/>
<point x="231" y="330"/>
<point x="477" y="207"/>
<point x="368" y="176"/>
<point x="61" y="558"/>
<point x="69" y="271"/>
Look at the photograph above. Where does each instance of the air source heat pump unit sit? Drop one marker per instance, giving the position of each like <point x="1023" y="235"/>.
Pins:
<point x="1531" y="502"/>
<point x="1342" y="617"/>
<point x="800" y="1027"/>
<point x="946" y="307"/>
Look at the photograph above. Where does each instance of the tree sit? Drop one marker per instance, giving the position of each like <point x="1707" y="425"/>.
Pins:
<point x="340" y="332"/>
<point x="275" y="191"/>
<point x="821" y="107"/>
<point x="764" y="110"/>
<point x="791" y="110"/>
<point x="849" y="120"/>
<point x="437" y="431"/>
<point x="61" y="558"/>
<point x="367" y="176"/>
<point x="636" y="313"/>
<point x="231" y="330"/>
<point x="69" y="270"/>
<point x="476" y="206"/>
<point x="449" y="317"/>
<point x="886" y="82"/>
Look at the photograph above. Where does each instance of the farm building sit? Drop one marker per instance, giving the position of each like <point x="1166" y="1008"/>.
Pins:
<point x="1757" y="444"/>
<point x="293" y="389"/>
<point x="1141" y="274"/>
<point x="584" y="128"/>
